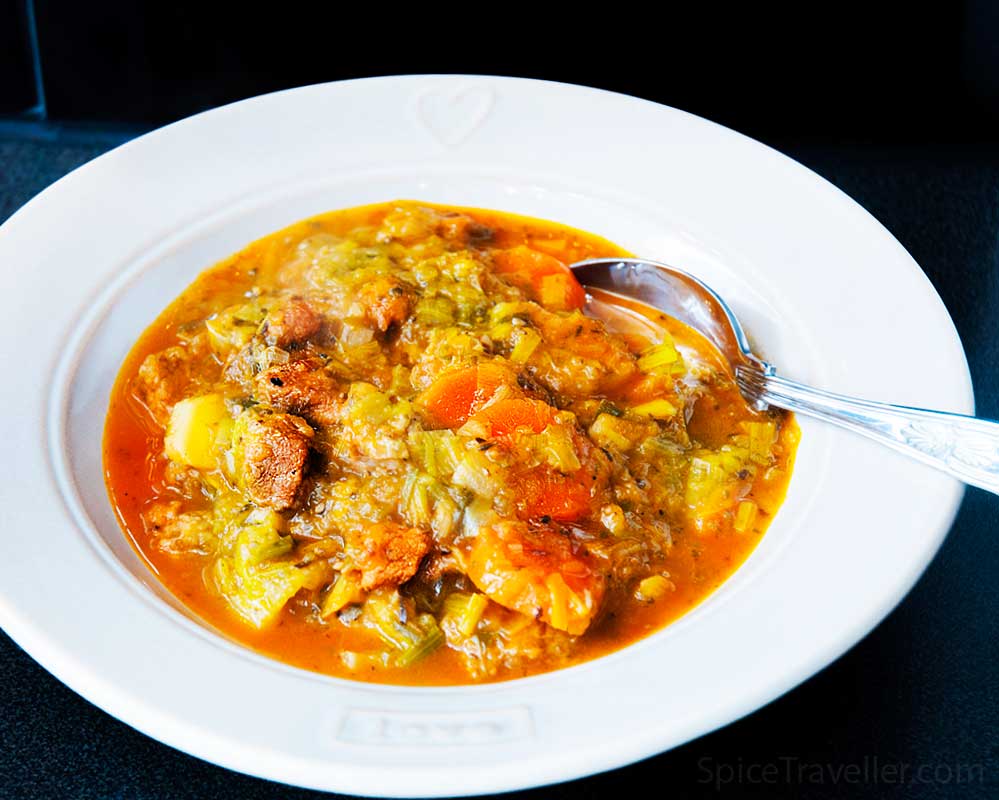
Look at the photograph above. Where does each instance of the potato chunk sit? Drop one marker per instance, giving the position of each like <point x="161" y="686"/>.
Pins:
<point x="198" y="431"/>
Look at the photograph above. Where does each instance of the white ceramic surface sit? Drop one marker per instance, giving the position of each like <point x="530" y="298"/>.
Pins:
<point x="827" y="293"/>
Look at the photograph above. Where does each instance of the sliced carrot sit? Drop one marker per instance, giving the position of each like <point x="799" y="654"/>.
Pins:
<point x="505" y="417"/>
<point x="455" y="396"/>
<point x="551" y="281"/>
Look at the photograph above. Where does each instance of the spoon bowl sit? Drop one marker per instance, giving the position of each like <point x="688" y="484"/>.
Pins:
<point x="967" y="448"/>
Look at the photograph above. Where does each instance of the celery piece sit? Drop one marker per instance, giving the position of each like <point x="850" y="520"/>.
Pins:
<point x="463" y="610"/>
<point x="761" y="438"/>
<point x="428" y="638"/>
<point x="416" y="503"/>
<point x="745" y="516"/>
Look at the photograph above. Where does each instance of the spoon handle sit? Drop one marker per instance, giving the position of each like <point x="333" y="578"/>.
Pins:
<point x="964" y="447"/>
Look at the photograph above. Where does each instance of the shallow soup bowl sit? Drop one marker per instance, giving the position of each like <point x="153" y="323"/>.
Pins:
<point x="99" y="254"/>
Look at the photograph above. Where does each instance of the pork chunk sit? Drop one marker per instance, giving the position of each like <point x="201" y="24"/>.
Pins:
<point x="271" y="449"/>
<point x="387" y="554"/>
<point x="162" y="381"/>
<point x="291" y="324"/>
<point x="301" y="387"/>
<point x="386" y="302"/>
<point x="463" y="230"/>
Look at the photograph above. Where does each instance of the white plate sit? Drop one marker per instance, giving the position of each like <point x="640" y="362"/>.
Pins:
<point x="830" y="296"/>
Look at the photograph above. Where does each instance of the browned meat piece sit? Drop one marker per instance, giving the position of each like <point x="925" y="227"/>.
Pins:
<point x="271" y="448"/>
<point x="174" y="531"/>
<point x="387" y="554"/>
<point x="163" y="380"/>
<point x="386" y="301"/>
<point x="292" y="324"/>
<point x="462" y="229"/>
<point x="182" y="477"/>
<point x="301" y="387"/>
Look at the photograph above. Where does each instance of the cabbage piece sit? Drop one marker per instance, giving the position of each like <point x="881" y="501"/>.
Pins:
<point x="251" y="581"/>
<point x="717" y="481"/>
<point x="234" y="327"/>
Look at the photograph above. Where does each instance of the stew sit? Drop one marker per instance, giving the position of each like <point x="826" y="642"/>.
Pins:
<point x="399" y="443"/>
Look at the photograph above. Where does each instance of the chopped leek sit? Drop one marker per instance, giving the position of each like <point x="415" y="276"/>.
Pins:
<point x="478" y="474"/>
<point x="502" y="312"/>
<point x="554" y="446"/>
<point x="439" y="451"/>
<point x="658" y="356"/>
<point x="527" y="342"/>
<point x="658" y="409"/>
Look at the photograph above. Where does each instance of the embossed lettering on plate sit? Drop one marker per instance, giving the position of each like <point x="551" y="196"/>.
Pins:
<point x="452" y="115"/>
<point x="372" y="726"/>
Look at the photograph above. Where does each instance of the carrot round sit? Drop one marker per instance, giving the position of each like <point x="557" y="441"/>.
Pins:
<point x="505" y="417"/>
<point x="551" y="281"/>
<point x="455" y="396"/>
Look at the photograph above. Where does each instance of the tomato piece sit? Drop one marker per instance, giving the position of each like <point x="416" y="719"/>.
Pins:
<point x="551" y="281"/>
<point x="455" y="396"/>
<point x="546" y="493"/>
<point x="539" y="572"/>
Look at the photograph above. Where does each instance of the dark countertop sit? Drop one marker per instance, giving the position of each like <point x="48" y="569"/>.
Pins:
<point x="919" y="695"/>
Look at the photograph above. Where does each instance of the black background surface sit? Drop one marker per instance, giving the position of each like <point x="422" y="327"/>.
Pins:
<point x="896" y="106"/>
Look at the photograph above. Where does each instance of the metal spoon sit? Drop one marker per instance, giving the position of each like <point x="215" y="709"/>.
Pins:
<point x="963" y="447"/>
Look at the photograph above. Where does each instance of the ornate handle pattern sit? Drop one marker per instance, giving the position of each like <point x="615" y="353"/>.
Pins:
<point x="964" y="447"/>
